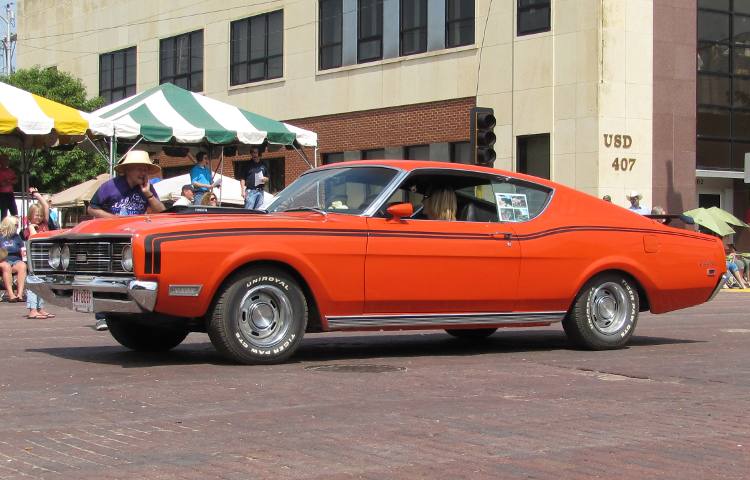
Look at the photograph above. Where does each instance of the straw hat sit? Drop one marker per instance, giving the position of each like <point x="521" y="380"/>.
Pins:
<point x="634" y="194"/>
<point x="137" y="157"/>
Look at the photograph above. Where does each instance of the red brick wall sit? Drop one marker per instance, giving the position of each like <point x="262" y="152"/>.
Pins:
<point x="435" y="122"/>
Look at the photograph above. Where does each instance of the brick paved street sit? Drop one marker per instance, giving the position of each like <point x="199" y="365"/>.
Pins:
<point x="522" y="405"/>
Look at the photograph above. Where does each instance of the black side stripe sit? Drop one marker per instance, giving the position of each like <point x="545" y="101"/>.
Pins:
<point x="153" y="242"/>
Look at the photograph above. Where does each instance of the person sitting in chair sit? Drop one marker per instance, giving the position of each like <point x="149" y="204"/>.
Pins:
<point x="440" y="204"/>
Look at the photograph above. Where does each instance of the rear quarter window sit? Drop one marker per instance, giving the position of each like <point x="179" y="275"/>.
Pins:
<point x="520" y="201"/>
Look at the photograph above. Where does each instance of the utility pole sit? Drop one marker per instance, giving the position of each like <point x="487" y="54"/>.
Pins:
<point x="10" y="38"/>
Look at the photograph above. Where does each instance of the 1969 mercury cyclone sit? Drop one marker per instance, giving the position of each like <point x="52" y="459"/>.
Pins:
<point x="347" y="247"/>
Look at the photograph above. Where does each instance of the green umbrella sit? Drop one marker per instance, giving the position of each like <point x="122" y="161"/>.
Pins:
<point x="727" y="217"/>
<point x="708" y="220"/>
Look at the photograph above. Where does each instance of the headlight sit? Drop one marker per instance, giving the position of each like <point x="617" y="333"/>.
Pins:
<point x="54" y="257"/>
<point x="65" y="257"/>
<point x="127" y="258"/>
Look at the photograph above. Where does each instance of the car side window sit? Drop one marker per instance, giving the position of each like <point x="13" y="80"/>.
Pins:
<point x="474" y="195"/>
<point x="518" y="200"/>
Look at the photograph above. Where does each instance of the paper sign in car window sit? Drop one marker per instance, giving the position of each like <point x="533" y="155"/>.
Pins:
<point x="512" y="207"/>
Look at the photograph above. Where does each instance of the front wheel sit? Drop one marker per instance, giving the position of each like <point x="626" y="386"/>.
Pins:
<point x="259" y="317"/>
<point x="144" y="338"/>
<point x="604" y="313"/>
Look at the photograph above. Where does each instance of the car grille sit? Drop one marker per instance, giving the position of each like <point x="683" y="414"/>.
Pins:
<point x="85" y="257"/>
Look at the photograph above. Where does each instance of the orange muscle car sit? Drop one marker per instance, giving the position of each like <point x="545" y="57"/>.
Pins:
<point x="379" y="245"/>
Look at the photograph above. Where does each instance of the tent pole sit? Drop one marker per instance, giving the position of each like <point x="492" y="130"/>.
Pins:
<point x="302" y="154"/>
<point x="221" y="175"/>
<point x="98" y="150"/>
<point x="315" y="156"/>
<point x="112" y="146"/>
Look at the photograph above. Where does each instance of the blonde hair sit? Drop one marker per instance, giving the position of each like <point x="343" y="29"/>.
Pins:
<point x="35" y="208"/>
<point x="9" y="226"/>
<point x="441" y="204"/>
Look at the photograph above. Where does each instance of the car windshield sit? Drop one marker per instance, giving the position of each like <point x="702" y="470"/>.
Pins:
<point x="348" y="190"/>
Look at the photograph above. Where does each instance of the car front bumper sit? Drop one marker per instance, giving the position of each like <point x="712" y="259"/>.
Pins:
<point x="109" y="295"/>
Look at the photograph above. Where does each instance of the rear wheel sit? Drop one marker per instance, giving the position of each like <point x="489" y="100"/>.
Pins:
<point x="474" y="333"/>
<point x="604" y="313"/>
<point x="259" y="317"/>
<point x="144" y="338"/>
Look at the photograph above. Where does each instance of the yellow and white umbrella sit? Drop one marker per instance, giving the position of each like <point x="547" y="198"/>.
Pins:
<point x="31" y="121"/>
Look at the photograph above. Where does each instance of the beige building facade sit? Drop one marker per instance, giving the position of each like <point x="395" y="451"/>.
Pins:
<point x="575" y="93"/>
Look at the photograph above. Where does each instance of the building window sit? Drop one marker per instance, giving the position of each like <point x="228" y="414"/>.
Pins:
<point x="276" y="172"/>
<point x="533" y="155"/>
<point x="459" y="23"/>
<point x="369" y="30"/>
<point x="331" y="28"/>
<point x="534" y="16"/>
<point x="417" y="152"/>
<point x="117" y="75"/>
<point x="461" y="153"/>
<point x="181" y="61"/>
<point x="376" y="154"/>
<point x="257" y="48"/>
<point x="413" y="28"/>
<point x="723" y="84"/>
<point x="336" y="157"/>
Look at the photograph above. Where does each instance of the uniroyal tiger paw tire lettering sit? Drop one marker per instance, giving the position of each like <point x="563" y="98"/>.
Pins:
<point x="259" y="317"/>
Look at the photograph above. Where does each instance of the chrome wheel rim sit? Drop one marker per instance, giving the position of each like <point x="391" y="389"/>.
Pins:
<point x="609" y="306"/>
<point x="264" y="315"/>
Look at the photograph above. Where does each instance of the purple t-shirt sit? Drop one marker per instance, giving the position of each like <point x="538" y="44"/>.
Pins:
<point x="116" y="197"/>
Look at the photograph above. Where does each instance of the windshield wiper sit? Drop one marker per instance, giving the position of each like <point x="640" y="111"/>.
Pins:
<point x="308" y="209"/>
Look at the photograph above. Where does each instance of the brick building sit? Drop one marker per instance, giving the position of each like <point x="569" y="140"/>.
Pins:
<point x="596" y="94"/>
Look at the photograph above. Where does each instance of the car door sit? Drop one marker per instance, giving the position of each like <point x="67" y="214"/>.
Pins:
<point x="421" y="266"/>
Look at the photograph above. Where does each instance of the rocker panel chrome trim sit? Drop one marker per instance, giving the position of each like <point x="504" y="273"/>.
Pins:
<point x="440" y="320"/>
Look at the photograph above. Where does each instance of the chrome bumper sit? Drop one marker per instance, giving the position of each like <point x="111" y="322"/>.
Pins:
<point x="109" y="295"/>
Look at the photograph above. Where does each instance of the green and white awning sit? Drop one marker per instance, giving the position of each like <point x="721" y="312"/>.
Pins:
<point x="167" y="112"/>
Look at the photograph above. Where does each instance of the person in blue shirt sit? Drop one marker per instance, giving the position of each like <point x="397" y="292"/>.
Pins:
<point x="12" y="243"/>
<point x="129" y="193"/>
<point x="200" y="177"/>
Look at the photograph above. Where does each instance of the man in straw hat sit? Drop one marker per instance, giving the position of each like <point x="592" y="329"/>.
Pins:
<point x="130" y="192"/>
<point x="635" y="203"/>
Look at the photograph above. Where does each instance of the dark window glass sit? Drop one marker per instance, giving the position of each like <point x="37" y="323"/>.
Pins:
<point x="417" y="152"/>
<point x="739" y="149"/>
<point x="461" y="152"/>
<point x="742" y="92"/>
<point x="533" y="155"/>
<point x="713" y="154"/>
<point x="181" y="61"/>
<point x="714" y="122"/>
<point x="740" y="6"/>
<point x="117" y="74"/>
<point x="257" y="48"/>
<point x="715" y="4"/>
<point x="714" y="90"/>
<point x="741" y="30"/>
<point x="713" y="57"/>
<point x="534" y="16"/>
<point x="331" y="33"/>
<point x="413" y="28"/>
<point x="377" y="154"/>
<point x="713" y="26"/>
<point x="369" y="30"/>
<point x="333" y="158"/>
<point x="459" y="23"/>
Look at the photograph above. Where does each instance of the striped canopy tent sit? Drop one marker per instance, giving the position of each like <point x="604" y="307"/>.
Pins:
<point x="28" y="121"/>
<point x="168" y="114"/>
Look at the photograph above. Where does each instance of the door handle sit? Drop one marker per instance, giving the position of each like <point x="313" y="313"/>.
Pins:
<point x="500" y="235"/>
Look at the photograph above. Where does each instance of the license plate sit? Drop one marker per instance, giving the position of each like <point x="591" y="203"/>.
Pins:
<point x="83" y="301"/>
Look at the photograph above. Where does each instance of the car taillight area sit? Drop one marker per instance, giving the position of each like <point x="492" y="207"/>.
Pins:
<point x="96" y="256"/>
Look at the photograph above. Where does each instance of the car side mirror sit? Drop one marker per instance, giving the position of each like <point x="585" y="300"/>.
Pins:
<point x="400" y="210"/>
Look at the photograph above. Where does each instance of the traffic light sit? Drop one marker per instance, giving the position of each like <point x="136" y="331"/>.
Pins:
<point x="482" y="138"/>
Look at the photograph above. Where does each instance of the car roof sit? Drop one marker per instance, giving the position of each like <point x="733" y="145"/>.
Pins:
<point x="410" y="165"/>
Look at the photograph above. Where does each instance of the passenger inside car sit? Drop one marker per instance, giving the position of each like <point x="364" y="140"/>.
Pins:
<point x="440" y="204"/>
